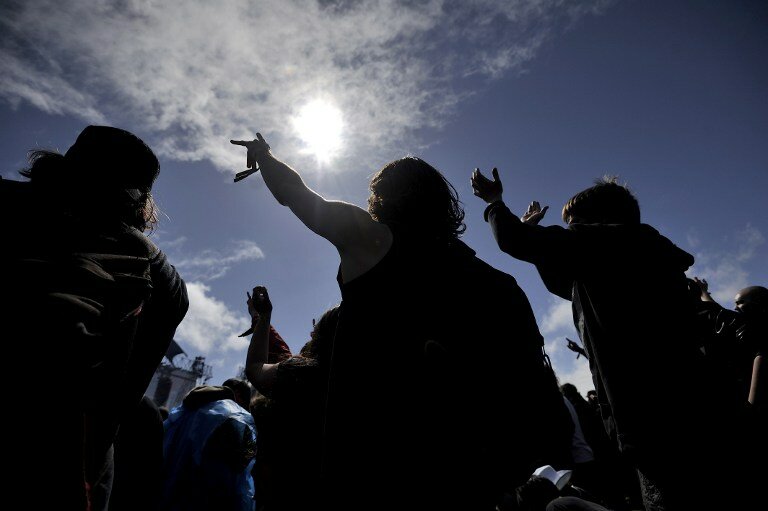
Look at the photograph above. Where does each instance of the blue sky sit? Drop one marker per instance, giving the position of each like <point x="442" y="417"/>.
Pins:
<point x="671" y="96"/>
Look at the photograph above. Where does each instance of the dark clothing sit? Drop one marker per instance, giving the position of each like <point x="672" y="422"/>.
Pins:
<point x="83" y="319"/>
<point x="425" y="409"/>
<point x="138" y="478"/>
<point x="291" y="443"/>
<point x="730" y="341"/>
<point x="573" y="504"/>
<point x="646" y="366"/>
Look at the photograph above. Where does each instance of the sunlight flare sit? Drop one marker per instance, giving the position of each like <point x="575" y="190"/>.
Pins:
<point x="319" y="125"/>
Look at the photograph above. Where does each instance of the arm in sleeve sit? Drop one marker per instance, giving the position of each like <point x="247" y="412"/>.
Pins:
<point x="554" y="250"/>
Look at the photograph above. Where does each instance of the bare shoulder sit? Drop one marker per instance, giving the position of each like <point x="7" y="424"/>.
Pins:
<point x="370" y="248"/>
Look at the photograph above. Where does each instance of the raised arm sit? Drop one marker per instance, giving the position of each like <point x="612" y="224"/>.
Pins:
<point x="350" y="228"/>
<point x="261" y="374"/>
<point x="704" y="290"/>
<point x="549" y="248"/>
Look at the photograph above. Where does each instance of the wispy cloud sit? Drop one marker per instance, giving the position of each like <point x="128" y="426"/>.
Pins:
<point x="169" y="244"/>
<point x="211" y="264"/>
<point x="726" y="270"/>
<point x="558" y="317"/>
<point x="556" y="324"/>
<point x="187" y="75"/>
<point x="210" y="327"/>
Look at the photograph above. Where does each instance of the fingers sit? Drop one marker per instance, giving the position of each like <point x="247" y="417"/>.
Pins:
<point x="544" y="210"/>
<point x="261" y="293"/>
<point x="249" y="295"/>
<point x="243" y="143"/>
<point x="478" y="178"/>
<point x="495" y="173"/>
<point x="242" y="175"/>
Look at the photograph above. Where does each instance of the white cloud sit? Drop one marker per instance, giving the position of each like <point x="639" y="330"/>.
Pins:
<point x="746" y="243"/>
<point x="559" y="317"/>
<point x="693" y="239"/>
<point x="187" y="75"/>
<point x="29" y="81"/>
<point x="212" y="264"/>
<point x="210" y="326"/>
<point x="171" y="244"/>
<point x="725" y="270"/>
<point x="578" y="374"/>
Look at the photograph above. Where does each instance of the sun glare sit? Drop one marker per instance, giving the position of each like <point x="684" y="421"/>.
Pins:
<point x="319" y="125"/>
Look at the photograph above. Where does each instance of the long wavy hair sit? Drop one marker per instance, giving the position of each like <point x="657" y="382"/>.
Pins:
<point x="414" y="199"/>
<point x="320" y="344"/>
<point x="51" y="173"/>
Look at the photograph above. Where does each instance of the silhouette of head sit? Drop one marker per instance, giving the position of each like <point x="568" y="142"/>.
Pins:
<point x="413" y="198"/>
<point x="321" y="339"/>
<point x="113" y="158"/>
<point x="607" y="202"/>
<point x="241" y="389"/>
<point x="592" y="396"/>
<point x="107" y="170"/>
<point x="570" y="391"/>
<point x="752" y="300"/>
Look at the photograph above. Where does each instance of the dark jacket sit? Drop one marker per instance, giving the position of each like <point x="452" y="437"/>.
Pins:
<point x="432" y="350"/>
<point x="89" y="307"/>
<point x="631" y="309"/>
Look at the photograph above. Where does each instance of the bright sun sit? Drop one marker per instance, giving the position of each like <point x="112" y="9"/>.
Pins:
<point x="319" y="125"/>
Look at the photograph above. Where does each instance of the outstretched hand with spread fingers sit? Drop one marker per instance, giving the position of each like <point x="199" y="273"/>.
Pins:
<point x="489" y="191"/>
<point x="534" y="213"/>
<point x="256" y="147"/>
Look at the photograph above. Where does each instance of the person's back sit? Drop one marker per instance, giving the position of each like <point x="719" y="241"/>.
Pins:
<point x="298" y="400"/>
<point x="649" y="374"/>
<point x="208" y="452"/>
<point x="432" y="345"/>
<point x="420" y="381"/>
<point x="87" y="296"/>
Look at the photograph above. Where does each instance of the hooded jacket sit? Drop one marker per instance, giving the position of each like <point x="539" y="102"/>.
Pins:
<point x="629" y="296"/>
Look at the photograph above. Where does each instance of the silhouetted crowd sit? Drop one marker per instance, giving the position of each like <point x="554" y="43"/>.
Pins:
<point x="427" y="388"/>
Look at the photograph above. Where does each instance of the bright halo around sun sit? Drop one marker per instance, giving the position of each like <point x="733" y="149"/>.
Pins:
<point x="319" y="125"/>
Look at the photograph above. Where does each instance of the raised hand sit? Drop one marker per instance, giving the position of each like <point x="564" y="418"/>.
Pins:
<point x="703" y="289"/>
<point x="534" y="213"/>
<point x="258" y="306"/>
<point x="256" y="147"/>
<point x="703" y="284"/>
<point x="259" y="303"/>
<point x="489" y="191"/>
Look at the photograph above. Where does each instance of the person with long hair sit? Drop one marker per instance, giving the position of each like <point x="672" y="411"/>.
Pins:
<point x="430" y="347"/>
<point x="87" y="300"/>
